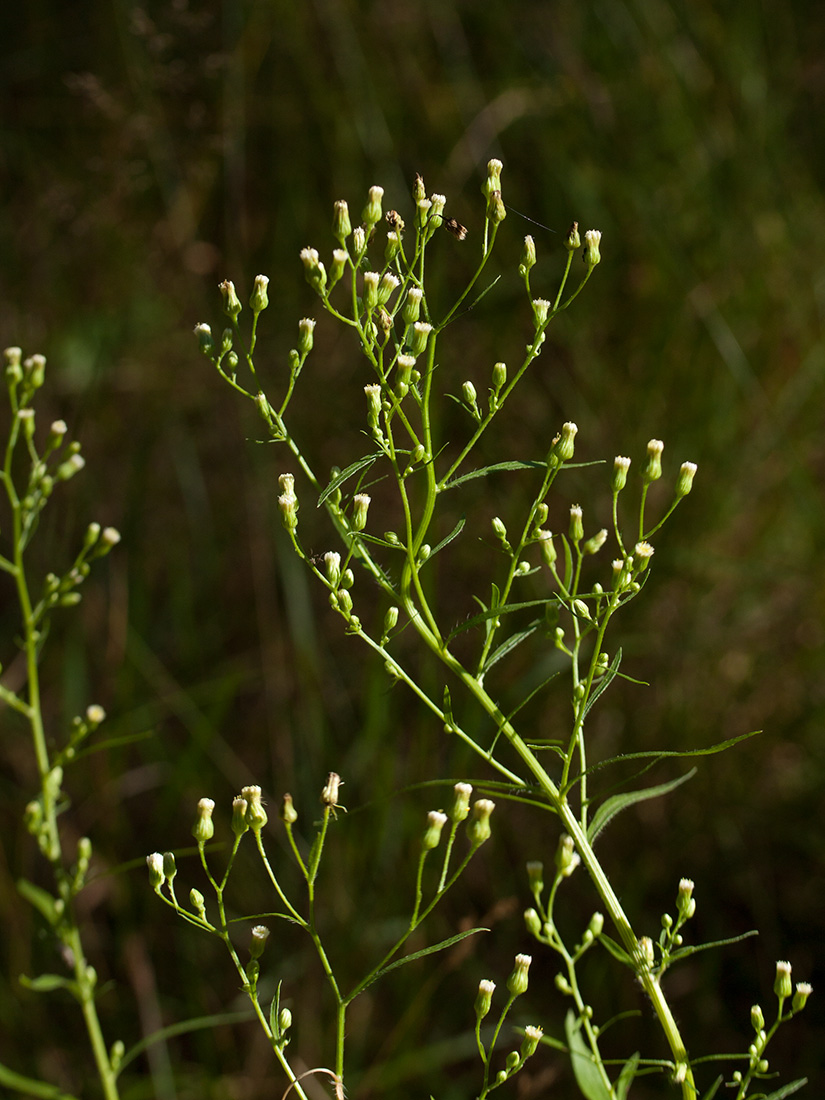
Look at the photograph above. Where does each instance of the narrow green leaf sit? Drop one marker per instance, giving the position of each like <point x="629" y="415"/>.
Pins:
<point x="788" y="1090"/>
<point x="510" y="644"/>
<point x="28" y="1086"/>
<point x="345" y="475"/>
<point x="505" y="609"/>
<point x="656" y="755"/>
<point x="421" y="954"/>
<point x="683" y="952"/>
<point x="47" y="983"/>
<point x="613" y="806"/>
<point x="714" y="1088"/>
<point x="183" y="1028"/>
<point x="605" y="681"/>
<point x="494" y="469"/>
<point x="43" y="902"/>
<point x="585" y="1069"/>
<point x="616" y="950"/>
<point x="627" y="1076"/>
<point x="456" y="531"/>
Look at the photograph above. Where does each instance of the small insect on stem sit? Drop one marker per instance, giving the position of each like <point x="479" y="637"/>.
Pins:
<point x="338" y="1083"/>
<point x="455" y="228"/>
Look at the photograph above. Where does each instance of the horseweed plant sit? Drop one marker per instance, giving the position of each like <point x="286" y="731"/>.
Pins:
<point x="30" y="474"/>
<point x="376" y="287"/>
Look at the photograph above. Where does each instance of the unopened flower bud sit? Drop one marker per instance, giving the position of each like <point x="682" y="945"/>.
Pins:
<point x="535" y="876"/>
<point x="645" y="951"/>
<point x="314" y="270"/>
<point x="573" y="240"/>
<point x="493" y="181"/>
<point x="239" y="808"/>
<point x="528" y="256"/>
<point x="370" y="294"/>
<point x="231" y="302"/>
<point x="576" y="523"/>
<point x="541" y="309"/>
<point x="417" y="339"/>
<point x="620" y="467"/>
<point x="259" y="298"/>
<point x="260" y="934"/>
<point x="412" y="305"/>
<point x="478" y="827"/>
<point x="204" y="827"/>
<point x="372" y="213"/>
<point x="468" y="392"/>
<point x="392" y="247"/>
<point x="499" y="376"/>
<point x="156" y="876"/>
<point x="484" y="998"/>
<point x="596" y="925"/>
<point x="653" y="466"/>
<point x="170" y="868"/>
<point x="306" y="329"/>
<point x="70" y="467"/>
<point x="360" y="508"/>
<point x="461" y="802"/>
<point x="198" y="902"/>
<point x="419" y="190"/>
<point x="594" y="544"/>
<point x="685" y="901"/>
<point x="529" y="1045"/>
<point x="518" y="980"/>
<point x="532" y="922"/>
<point x="95" y="714"/>
<point x="591" y="254"/>
<point x="800" y="997"/>
<point x="338" y="266"/>
<point x="547" y="549"/>
<point x="289" y="815"/>
<point x="390" y="620"/>
<point x="567" y="858"/>
<point x="687" y="472"/>
<point x="332" y="560"/>
<point x="642" y="553"/>
<point x="388" y="284"/>
<point x="564" y="446"/>
<point x="359" y="241"/>
<point x="284" y="1020"/>
<point x="436" y="821"/>
<point x="496" y="210"/>
<point x="256" y="816"/>
<point x="341" y="224"/>
<point x="757" y="1018"/>
<point x="782" y="984"/>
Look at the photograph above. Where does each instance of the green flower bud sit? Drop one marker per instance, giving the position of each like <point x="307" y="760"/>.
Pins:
<point x="541" y="309"/>
<point x="239" y="822"/>
<point x="231" y="302"/>
<point x="499" y="376"/>
<point x="493" y="181"/>
<point x="645" y="952"/>
<point x="388" y="284"/>
<point x="306" y="328"/>
<point x="260" y="934"/>
<point x="332" y="560"/>
<point x="594" y="544"/>
<point x="757" y="1018"/>
<point x="256" y="816"/>
<point x="390" y="621"/>
<point x="155" y="864"/>
<point x="687" y="472"/>
<point x="518" y="980"/>
<point x="412" y="305"/>
<point x="484" y="998"/>
<point x="511" y="1061"/>
<point x="205" y="341"/>
<point x="34" y="368"/>
<point x="567" y="858"/>
<point x="70" y="467"/>
<point x="338" y="266"/>
<point x="369" y="297"/>
<point x="478" y="827"/>
<point x="528" y="256"/>
<point x="642" y="553"/>
<point x="360" y="505"/>
<point x="341" y="224"/>
<point x="535" y="876"/>
<point x="259" y="298"/>
<point x="620" y="467"/>
<point x="596" y="925"/>
<point x="653" y="466"/>
<point x="591" y="255"/>
<point x="532" y="922"/>
<point x="372" y="213"/>
<point x="782" y="984"/>
<point x="461" y="802"/>
<point x="532" y="1038"/>
<point x="800" y="997"/>
<point x="576" y="523"/>
<point x="419" y="190"/>
<point x="685" y="902"/>
<point x="436" y="820"/>
<point x="392" y="247"/>
<point x="198" y="902"/>
<point x="289" y="815"/>
<point x="564" y="444"/>
<point x="314" y="270"/>
<point x="204" y="827"/>
<point x="573" y="241"/>
<point x="548" y="550"/>
<point x="284" y="1020"/>
<point x="169" y="866"/>
<point x="417" y="339"/>
<point x="496" y="210"/>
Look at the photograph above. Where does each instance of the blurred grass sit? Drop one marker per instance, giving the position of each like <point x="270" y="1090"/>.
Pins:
<point x="150" y="151"/>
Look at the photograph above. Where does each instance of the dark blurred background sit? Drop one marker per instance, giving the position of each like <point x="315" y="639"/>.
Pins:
<point x="149" y="151"/>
